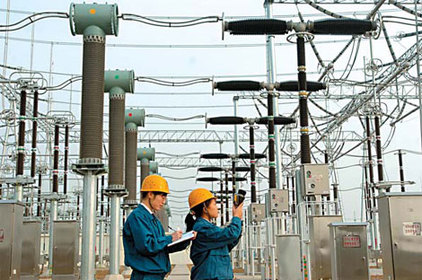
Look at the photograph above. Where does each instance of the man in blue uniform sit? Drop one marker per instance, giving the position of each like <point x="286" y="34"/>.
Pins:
<point x="144" y="241"/>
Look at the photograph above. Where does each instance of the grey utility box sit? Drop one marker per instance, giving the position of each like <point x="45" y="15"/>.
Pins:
<point x="277" y="200"/>
<point x="315" y="179"/>
<point x="11" y="223"/>
<point x="65" y="250"/>
<point x="400" y="218"/>
<point x="319" y="246"/>
<point x="256" y="213"/>
<point x="349" y="251"/>
<point x="31" y="240"/>
<point x="288" y="257"/>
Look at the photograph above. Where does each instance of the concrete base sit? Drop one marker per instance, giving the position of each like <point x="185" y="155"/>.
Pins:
<point x="114" y="277"/>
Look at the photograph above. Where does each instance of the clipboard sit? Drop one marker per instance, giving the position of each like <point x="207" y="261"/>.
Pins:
<point x="186" y="236"/>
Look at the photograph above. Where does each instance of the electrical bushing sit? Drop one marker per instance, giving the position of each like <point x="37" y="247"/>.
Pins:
<point x="94" y="19"/>
<point x="119" y="81"/>
<point x="153" y="167"/>
<point x="146" y="154"/>
<point x="134" y="118"/>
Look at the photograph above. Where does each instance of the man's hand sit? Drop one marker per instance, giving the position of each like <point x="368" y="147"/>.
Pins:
<point x="176" y="235"/>
<point x="194" y="235"/>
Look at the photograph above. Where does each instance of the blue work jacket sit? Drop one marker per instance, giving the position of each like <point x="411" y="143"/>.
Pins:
<point x="210" y="250"/>
<point x="145" y="244"/>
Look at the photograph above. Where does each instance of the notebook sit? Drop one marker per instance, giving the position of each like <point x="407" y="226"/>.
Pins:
<point x="186" y="236"/>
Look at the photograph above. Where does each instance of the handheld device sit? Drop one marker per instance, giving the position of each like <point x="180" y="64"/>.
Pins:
<point x="239" y="197"/>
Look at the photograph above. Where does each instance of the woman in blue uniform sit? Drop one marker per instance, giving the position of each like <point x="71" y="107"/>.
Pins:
<point x="144" y="241"/>
<point x="210" y="250"/>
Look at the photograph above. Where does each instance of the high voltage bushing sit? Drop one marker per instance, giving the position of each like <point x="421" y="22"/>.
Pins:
<point x="215" y="156"/>
<point x="66" y="157"/>
<point x="242" y="169"/>
<point x="145" y="155"/>
<point x="94" y="22"/>
<point x="211" y="169"/>
<point x="340" y="26"/>
<point x="294" y="86"/>
<point x="56" y="159"/>
<point x="117" y="83"/>
<point x="133" y="119"/>
<point x="272" y="121"/>
<point x="257" y="156"/>
<point x="303" y="30"/>
<point x="239" y="85"/>
<point x="279" y="27"/>
<point x="257" y="86"/>
<point x="230" y="120"/>
<point x="34" y="134"/>
<point x="21" y="136"/>
<point x="277" y="120"/>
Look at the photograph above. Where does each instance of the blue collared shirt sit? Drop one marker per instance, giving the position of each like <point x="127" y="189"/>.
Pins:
<point x="145" y="243"/>
<point x="210" y="250"/>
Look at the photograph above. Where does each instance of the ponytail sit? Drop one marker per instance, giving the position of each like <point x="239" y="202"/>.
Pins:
<point x="189" y="221"/>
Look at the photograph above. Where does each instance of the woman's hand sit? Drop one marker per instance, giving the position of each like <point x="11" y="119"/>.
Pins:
<point x="238" y="211"/>
<point x="194" y="235"/>
<point x="176" y="235"/>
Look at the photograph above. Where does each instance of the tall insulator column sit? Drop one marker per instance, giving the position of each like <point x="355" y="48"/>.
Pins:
<point x="133" y="119"/>
<point x="94" y="22"/>
<point x="305" y="150"/>
<point x="34" y="134"/>
<point x="66" y="157"/>
<point x="117" y="83"/>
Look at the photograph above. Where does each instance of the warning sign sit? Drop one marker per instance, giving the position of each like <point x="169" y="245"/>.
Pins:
<point x="1" y="235"/>
<point x="411" y="229"/>
<point x="351" y="241"/>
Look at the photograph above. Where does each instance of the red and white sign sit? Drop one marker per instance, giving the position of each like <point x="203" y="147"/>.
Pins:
<point x="1" y="235"/>
<point x="351" y="241"/>
<point x="411" y="229"/>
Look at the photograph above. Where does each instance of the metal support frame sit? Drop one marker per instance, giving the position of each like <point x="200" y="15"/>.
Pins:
<point x="115" y="196"/>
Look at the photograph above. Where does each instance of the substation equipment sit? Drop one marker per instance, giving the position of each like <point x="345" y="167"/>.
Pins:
<point x="349" y="251"/>
<point x="94" y="22"/>
<point x="313" y="208"/>
<point x="304" y="232"/>
<point x="401" y="234"/>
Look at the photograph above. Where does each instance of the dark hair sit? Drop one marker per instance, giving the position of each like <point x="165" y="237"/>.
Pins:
<point x="190" y="219"/>
<point x="145" y="194"/>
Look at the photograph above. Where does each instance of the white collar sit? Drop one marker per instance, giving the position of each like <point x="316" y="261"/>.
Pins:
<point x="146" y="207"/>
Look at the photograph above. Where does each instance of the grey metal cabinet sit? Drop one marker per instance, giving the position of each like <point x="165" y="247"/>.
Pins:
<point x="349" y="251"/>
<point x="401" y="235"/>
<point x="11" y="221"/>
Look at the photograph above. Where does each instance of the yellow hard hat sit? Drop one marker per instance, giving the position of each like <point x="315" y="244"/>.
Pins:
<point x="199" y="196"/>
<point x="155" y="183"/>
